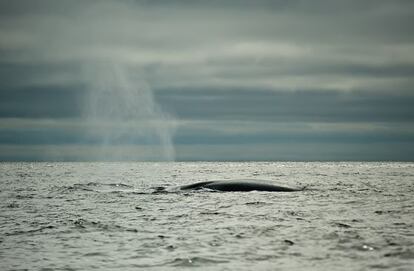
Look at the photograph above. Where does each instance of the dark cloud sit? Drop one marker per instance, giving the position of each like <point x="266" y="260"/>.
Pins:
<point x="224" y="104"/>
<point x="44" y="102"/>
<point x="288" y="106"/>
<point x="297" y="79"/>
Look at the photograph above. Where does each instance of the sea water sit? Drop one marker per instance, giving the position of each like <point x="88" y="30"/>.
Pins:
<point x="106" y="216"/>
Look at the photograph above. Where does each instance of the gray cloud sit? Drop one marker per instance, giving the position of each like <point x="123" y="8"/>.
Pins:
<point x="44" y="102"/>
<point x="268" y="43"/>
<point x="215" y="65"/>
<point x="226" y="104"/>
<point x="290" y="106"/>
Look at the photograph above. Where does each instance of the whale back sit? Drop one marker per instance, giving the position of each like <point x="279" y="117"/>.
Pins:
<point x="195" y="186"/>
<point x="238" y="186"/>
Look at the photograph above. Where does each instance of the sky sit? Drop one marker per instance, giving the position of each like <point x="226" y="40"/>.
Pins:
<point x="183" y="80"/>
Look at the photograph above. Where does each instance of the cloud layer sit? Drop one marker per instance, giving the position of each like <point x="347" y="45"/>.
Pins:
<point x="235" y="80"/>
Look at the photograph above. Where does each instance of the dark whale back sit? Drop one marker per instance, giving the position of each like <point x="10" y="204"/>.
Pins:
<point x="195" y="186"/>
<point x="238" y="186"/>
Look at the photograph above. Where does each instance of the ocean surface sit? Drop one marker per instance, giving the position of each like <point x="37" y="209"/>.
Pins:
<point x="106" y="216"/>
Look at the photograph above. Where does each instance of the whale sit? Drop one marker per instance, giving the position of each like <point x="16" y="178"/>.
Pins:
<point x="242" y="185"/>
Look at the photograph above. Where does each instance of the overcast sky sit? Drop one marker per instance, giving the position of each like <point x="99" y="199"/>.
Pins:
<point x="206" y="80"/>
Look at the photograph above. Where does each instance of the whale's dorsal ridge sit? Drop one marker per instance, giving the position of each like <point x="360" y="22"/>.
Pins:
<point x="195" y="186"/>
<point x="239" y="186"/>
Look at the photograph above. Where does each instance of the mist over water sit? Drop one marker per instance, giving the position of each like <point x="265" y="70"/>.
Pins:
<point x="122" y="117"/>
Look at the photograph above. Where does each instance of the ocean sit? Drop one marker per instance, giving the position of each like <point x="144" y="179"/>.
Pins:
<point x="107" y="216"/>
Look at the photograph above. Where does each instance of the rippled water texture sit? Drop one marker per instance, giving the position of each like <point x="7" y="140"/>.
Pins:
<point x="105" y="216"/>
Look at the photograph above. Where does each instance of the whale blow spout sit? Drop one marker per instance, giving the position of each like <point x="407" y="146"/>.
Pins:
<point x="238" y="186"/>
